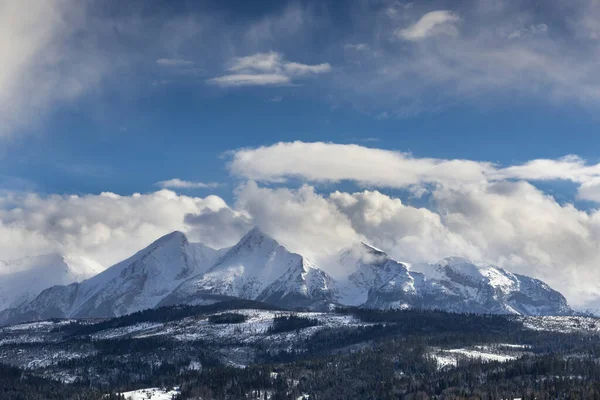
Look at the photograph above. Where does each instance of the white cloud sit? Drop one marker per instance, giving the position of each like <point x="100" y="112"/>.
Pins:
<point x="301" y="219"/>
<point x="570" y="168"/>
<point x="47" y="59"/>
<point x="177" y="183"/>
<point x="330" y="162"/>
<point x="266" y="69"/>
<point x="106" y="227"/>
<point x="590" y="190"/>
<point x="431" y="24"/>
<point x="297" y="69"/>
<point x="174" y="62"/>
<point x="218" y="228"/>
<point x="250" y="80"/>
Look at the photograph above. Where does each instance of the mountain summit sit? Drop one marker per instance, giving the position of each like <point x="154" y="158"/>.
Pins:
<point x="259" y="268"/>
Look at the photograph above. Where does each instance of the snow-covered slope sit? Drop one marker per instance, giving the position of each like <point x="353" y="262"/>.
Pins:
<point x="258" y="267"/>
<point x="137" y="283"/>
<point x="454" y="284"/>
<point x="485" y="288"/>
<point x="371" y="271"/>
<point x="303" y="285"/>
<point x="23" y="279"/>
<point x="380" y="282"/>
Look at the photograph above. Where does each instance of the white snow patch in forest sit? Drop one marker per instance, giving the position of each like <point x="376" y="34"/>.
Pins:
<point x="564" y="324"/>
<point x="485" y="353"/>
<point x="151" y="394"/>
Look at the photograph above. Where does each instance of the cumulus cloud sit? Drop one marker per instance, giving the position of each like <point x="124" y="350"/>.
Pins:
<point x="218" y="228"/>
<point x="431" y="24"/>
<point x="177" y="183"/>
<point x="266" y="69"/>
<point x="590" y="190"/>
<point x="47" y="59"/>
<point x="301" y="219"/>
<point x="106" y="227"/>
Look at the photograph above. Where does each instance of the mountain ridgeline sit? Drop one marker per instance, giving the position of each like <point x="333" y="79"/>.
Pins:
<point x="174" y="271"/>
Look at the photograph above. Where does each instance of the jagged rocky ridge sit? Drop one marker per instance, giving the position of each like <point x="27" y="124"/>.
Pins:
<point x="174" y="271"/>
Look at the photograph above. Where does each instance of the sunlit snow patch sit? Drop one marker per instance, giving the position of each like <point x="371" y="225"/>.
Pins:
<point x="151" y="394"/>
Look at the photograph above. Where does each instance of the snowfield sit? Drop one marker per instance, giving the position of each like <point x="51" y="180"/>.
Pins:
<point x="151" y="394"/>
<point x="487" y="353"/>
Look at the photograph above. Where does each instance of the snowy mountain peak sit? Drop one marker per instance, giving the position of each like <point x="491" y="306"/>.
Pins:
<point x="303" y="285"/>
<point x="259" y="268"/>
<point x="256" y="239"/>
<point x="176" y="237"/>
<point x="468" y="269"/>
<point x="361" y="254"/>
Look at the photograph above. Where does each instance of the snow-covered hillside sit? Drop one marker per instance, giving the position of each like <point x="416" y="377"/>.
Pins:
<point x="23" y="279"/>
<point x="138" y="283"/>
<point x="454" y="284"/>
<point x="377" y="281"/>
<point x="484" y="288"/>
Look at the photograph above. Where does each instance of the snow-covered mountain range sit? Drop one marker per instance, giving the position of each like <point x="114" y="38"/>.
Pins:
<point x="174" y="271"/>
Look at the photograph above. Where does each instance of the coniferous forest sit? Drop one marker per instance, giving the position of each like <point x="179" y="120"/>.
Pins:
<point x="372" y="355"/>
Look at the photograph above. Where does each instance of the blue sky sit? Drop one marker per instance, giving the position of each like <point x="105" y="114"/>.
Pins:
<point x="430" y="128"/>
<point x="173" y="115"/>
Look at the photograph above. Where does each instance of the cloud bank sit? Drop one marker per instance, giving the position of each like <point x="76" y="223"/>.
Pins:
<point x="106" y="227"/>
